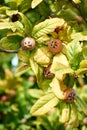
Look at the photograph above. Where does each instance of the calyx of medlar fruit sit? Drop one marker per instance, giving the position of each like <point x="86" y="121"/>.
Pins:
<point x="14" y="17"/>
<point x="55" y="45"/>
<point x="69" y="95"/>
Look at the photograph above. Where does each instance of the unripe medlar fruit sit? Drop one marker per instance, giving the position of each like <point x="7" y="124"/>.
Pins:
<point x="28" y="43"/>
<point x="69" y="95"/>
<point x="47" y="73"/>
<point x="55" y="45"/>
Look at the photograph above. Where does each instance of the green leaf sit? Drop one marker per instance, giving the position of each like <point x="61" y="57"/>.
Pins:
<point x="45" y="122"/>
<point x="82" y="68"/>
<point x="24" y="56"/>
<point x="44" y="84"/>
<point x="16" y="1"/>
<point x="46" y="27"/>
<point x="12" y="3"/>
<point x="2" y="127"/>
<point x="33" y="16"/>
<point x="44" y="104"/>
<point x="84" y="52"/>
<point x="83" y="7"/>
<point x="35" y="3"/>
<point x="21" y="5"/>
<point x="57" y="88"/>
<point x="44" y="6"/>
<point x="73" y="53"/>
<point x="24" y="6"/>
<point x="43" y="56"/>
<point x="81" y="104"/>
<point x="73" y="121"/>
<point x="27" y="23"/>
<point x="73" y="13"/>
<point x="10" y="43"/>
<point x="4" y="32"/>
<point x="84" y="90"/>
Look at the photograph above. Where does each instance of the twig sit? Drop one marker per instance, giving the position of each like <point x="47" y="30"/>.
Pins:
<point x="9" y="51"/>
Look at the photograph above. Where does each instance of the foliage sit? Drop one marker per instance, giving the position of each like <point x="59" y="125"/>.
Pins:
<point x="28" y="99"/>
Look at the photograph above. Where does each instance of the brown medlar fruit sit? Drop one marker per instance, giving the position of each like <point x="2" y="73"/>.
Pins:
<point x="69" y="95"/>
<point x="55" y="45"/>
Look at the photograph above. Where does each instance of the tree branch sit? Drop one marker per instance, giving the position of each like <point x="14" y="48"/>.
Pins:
<point x="9" y="51"/>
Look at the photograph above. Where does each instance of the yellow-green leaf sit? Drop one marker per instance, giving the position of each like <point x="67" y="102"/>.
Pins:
<point x="44" y="104"/>
<point x="81" y="71"/>
<point x="62" y="71"/>
<point x="76" y="1"/>
<point x="10" y="43"/>
<point x="80" y="36"/>
<point x="34" y="66"/>
<point x="43" y="39"/>
<point x="36" y="93"/>
<point x="57" y="88"/>
<point x="35" y="3"/>
<point x="7" y="25"/>
<point x="60" y="66"/>
<point x="24" y="56"/>
<point x="83" y="64"/>
<point x="46" y="27"/>
<point x="43" y="56"/>
<point x="21" y="70"/>
<point x="60" y="58"/>
<point x="11" y="12"/>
